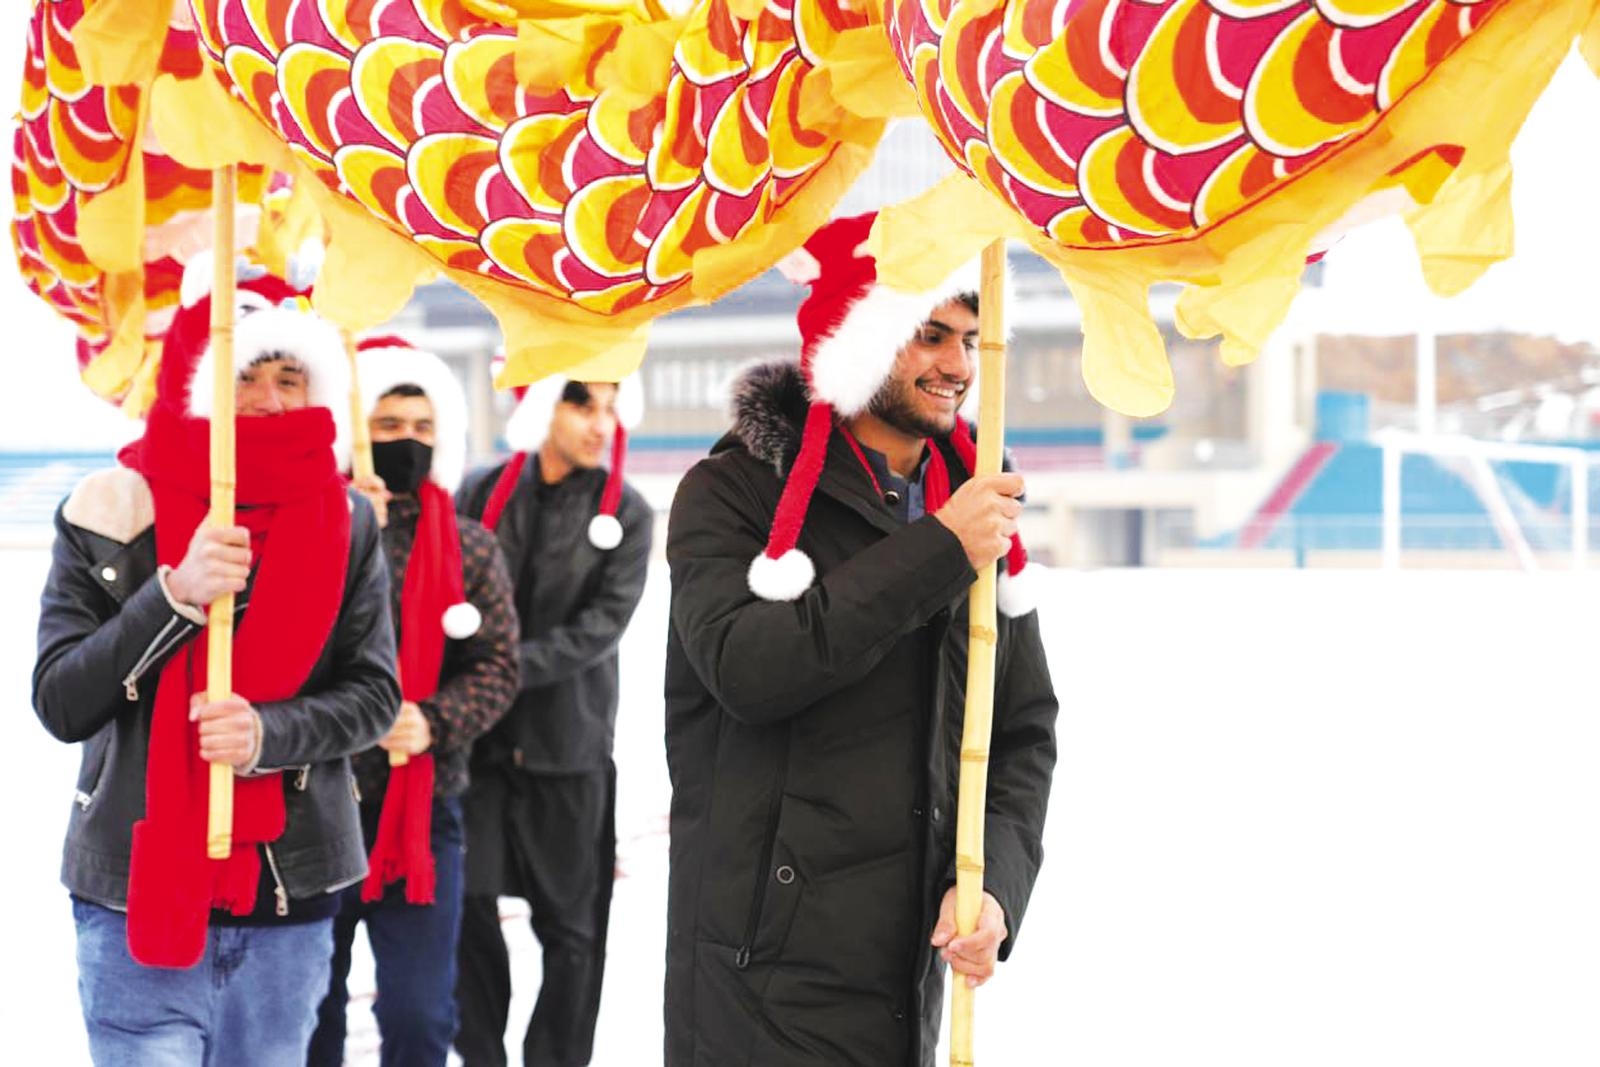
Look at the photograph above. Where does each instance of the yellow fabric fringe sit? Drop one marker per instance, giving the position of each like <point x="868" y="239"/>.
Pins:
<point x="1241" y="275"/>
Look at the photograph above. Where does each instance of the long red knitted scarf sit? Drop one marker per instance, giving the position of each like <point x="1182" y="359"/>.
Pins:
<point x="293" y="502"/>
<point x="404" y="848"/>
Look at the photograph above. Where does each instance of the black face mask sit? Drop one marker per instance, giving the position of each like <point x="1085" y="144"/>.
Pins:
<point x="402" y="464"/>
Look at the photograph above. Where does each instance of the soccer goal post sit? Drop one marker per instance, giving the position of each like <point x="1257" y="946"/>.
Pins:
<point x="1477" y="455"/>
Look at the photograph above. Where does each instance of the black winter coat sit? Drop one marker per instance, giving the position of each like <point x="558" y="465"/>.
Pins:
<point x="814" y="750"/>
<point x="574" y="602"/>
<point x="105" y="631"/>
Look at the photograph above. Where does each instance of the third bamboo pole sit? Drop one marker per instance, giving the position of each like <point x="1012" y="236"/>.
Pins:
<point x="981" y="645"/>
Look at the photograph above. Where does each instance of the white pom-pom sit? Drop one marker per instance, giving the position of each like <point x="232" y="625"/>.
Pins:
<point x="605" y="532"/>
<point x="461" y="621"/>
<point x="1018" y="593"/>
<point x="800" y="267"/>
<point x="784" y="578"/>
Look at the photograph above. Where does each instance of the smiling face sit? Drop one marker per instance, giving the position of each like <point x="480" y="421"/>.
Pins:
<point x="931" y="373"/>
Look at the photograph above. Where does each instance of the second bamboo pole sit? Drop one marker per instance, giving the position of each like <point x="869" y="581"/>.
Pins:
<point x="982" y="641"/>
<point x="361" y="452"/>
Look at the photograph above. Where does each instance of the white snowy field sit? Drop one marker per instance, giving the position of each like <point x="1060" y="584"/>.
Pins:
<point x="1300" y="818"/>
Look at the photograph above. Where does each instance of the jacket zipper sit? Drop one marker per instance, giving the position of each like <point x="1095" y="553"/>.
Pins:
<point x="282" y="907"/>
<point x="154" y="651"/>
<point x="300" y="778"/>
<point x="741" y="958"/>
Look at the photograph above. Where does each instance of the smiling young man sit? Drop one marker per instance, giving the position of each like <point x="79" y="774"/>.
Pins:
<point x="182" y="958"/>
<point x="816" y="664"/>
<point x="540" y="811"/>
<point x="457" y="631"/>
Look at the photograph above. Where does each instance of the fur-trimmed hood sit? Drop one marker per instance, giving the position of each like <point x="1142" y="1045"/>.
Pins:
<point x="768" y="404"/>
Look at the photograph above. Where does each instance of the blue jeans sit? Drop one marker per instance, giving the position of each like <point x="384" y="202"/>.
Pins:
<point x="252" y="998"/>
<point x="414" y="950"/>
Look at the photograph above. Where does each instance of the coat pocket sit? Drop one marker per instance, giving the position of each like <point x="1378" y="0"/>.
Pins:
<point x="775" y="878"/>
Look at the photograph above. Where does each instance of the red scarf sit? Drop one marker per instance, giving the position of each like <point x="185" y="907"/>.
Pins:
<point x="433" y="583"/>
<point x="504" y="486"/>
<point x="293" y="502"/>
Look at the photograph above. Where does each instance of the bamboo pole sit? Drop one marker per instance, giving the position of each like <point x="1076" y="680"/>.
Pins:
<point x="219" y="619"/>
<point x="360" y="432"/>
<point x="982" y="640"/>
<point x="361" y="453"/>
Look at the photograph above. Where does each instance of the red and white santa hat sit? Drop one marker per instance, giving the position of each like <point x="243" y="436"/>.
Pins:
<point x="273" y="320"/>
<point x="386" y="361"/>
<point x="852" y="330"/>
<point x="529" y="425"/>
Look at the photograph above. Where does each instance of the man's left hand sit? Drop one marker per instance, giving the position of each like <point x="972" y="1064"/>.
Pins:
<point x="976" y="954"/>
<point x="411" y="733"/>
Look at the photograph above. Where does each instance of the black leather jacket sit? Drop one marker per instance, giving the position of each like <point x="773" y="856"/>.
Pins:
<point x="106" y="629"/>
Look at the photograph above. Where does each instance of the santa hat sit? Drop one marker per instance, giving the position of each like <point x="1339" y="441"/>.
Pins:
<point x="852" y="330"/>
<point x="529" y="425"/>
<point x="273" y="319"/>
<point x="384" y="362"/>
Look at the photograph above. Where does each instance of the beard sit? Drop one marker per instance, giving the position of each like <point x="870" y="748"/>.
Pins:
<point x="896" y="405"/>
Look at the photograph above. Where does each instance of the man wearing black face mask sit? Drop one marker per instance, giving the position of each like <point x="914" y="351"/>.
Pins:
<point x="457" y="632"/>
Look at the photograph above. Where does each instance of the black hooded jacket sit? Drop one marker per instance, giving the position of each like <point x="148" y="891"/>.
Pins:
<point x="814" y="749"/>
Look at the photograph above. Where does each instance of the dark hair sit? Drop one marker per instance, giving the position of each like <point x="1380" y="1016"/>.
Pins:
<point x="274" y="355"/>
<point x="575" y="393"/>
<point x="404" y="389"/>
<point x="969" y="300"/>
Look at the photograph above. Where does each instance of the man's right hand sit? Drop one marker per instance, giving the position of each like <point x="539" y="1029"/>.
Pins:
<point x="218" y="562"/>
<point x="371" y="486"/>
<point x="983" y="514"/>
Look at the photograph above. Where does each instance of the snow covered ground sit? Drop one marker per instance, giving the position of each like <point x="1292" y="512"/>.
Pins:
<point x="1300" y="818"/>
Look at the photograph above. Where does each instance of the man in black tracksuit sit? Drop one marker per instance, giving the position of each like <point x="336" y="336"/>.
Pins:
<point x="540" y="809"/>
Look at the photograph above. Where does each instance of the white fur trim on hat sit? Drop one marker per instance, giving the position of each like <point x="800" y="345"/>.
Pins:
<point x="301" y="335"/>
<point x="1018" y="594"/>
<point x="849" y="365"/>
<point x="784" y="578"/>
<point x="381" y="369"/>
<point x="529" y="424"/>
<point x="605" y="532"/>
<point x="461" y="621"/>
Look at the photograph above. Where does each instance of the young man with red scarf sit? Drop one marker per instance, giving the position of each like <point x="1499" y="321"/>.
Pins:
<point x="457" y="632"/>
<point x="182" y="958"/>
<point x="816" y="663"/>
<point x="540" y="811"/>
